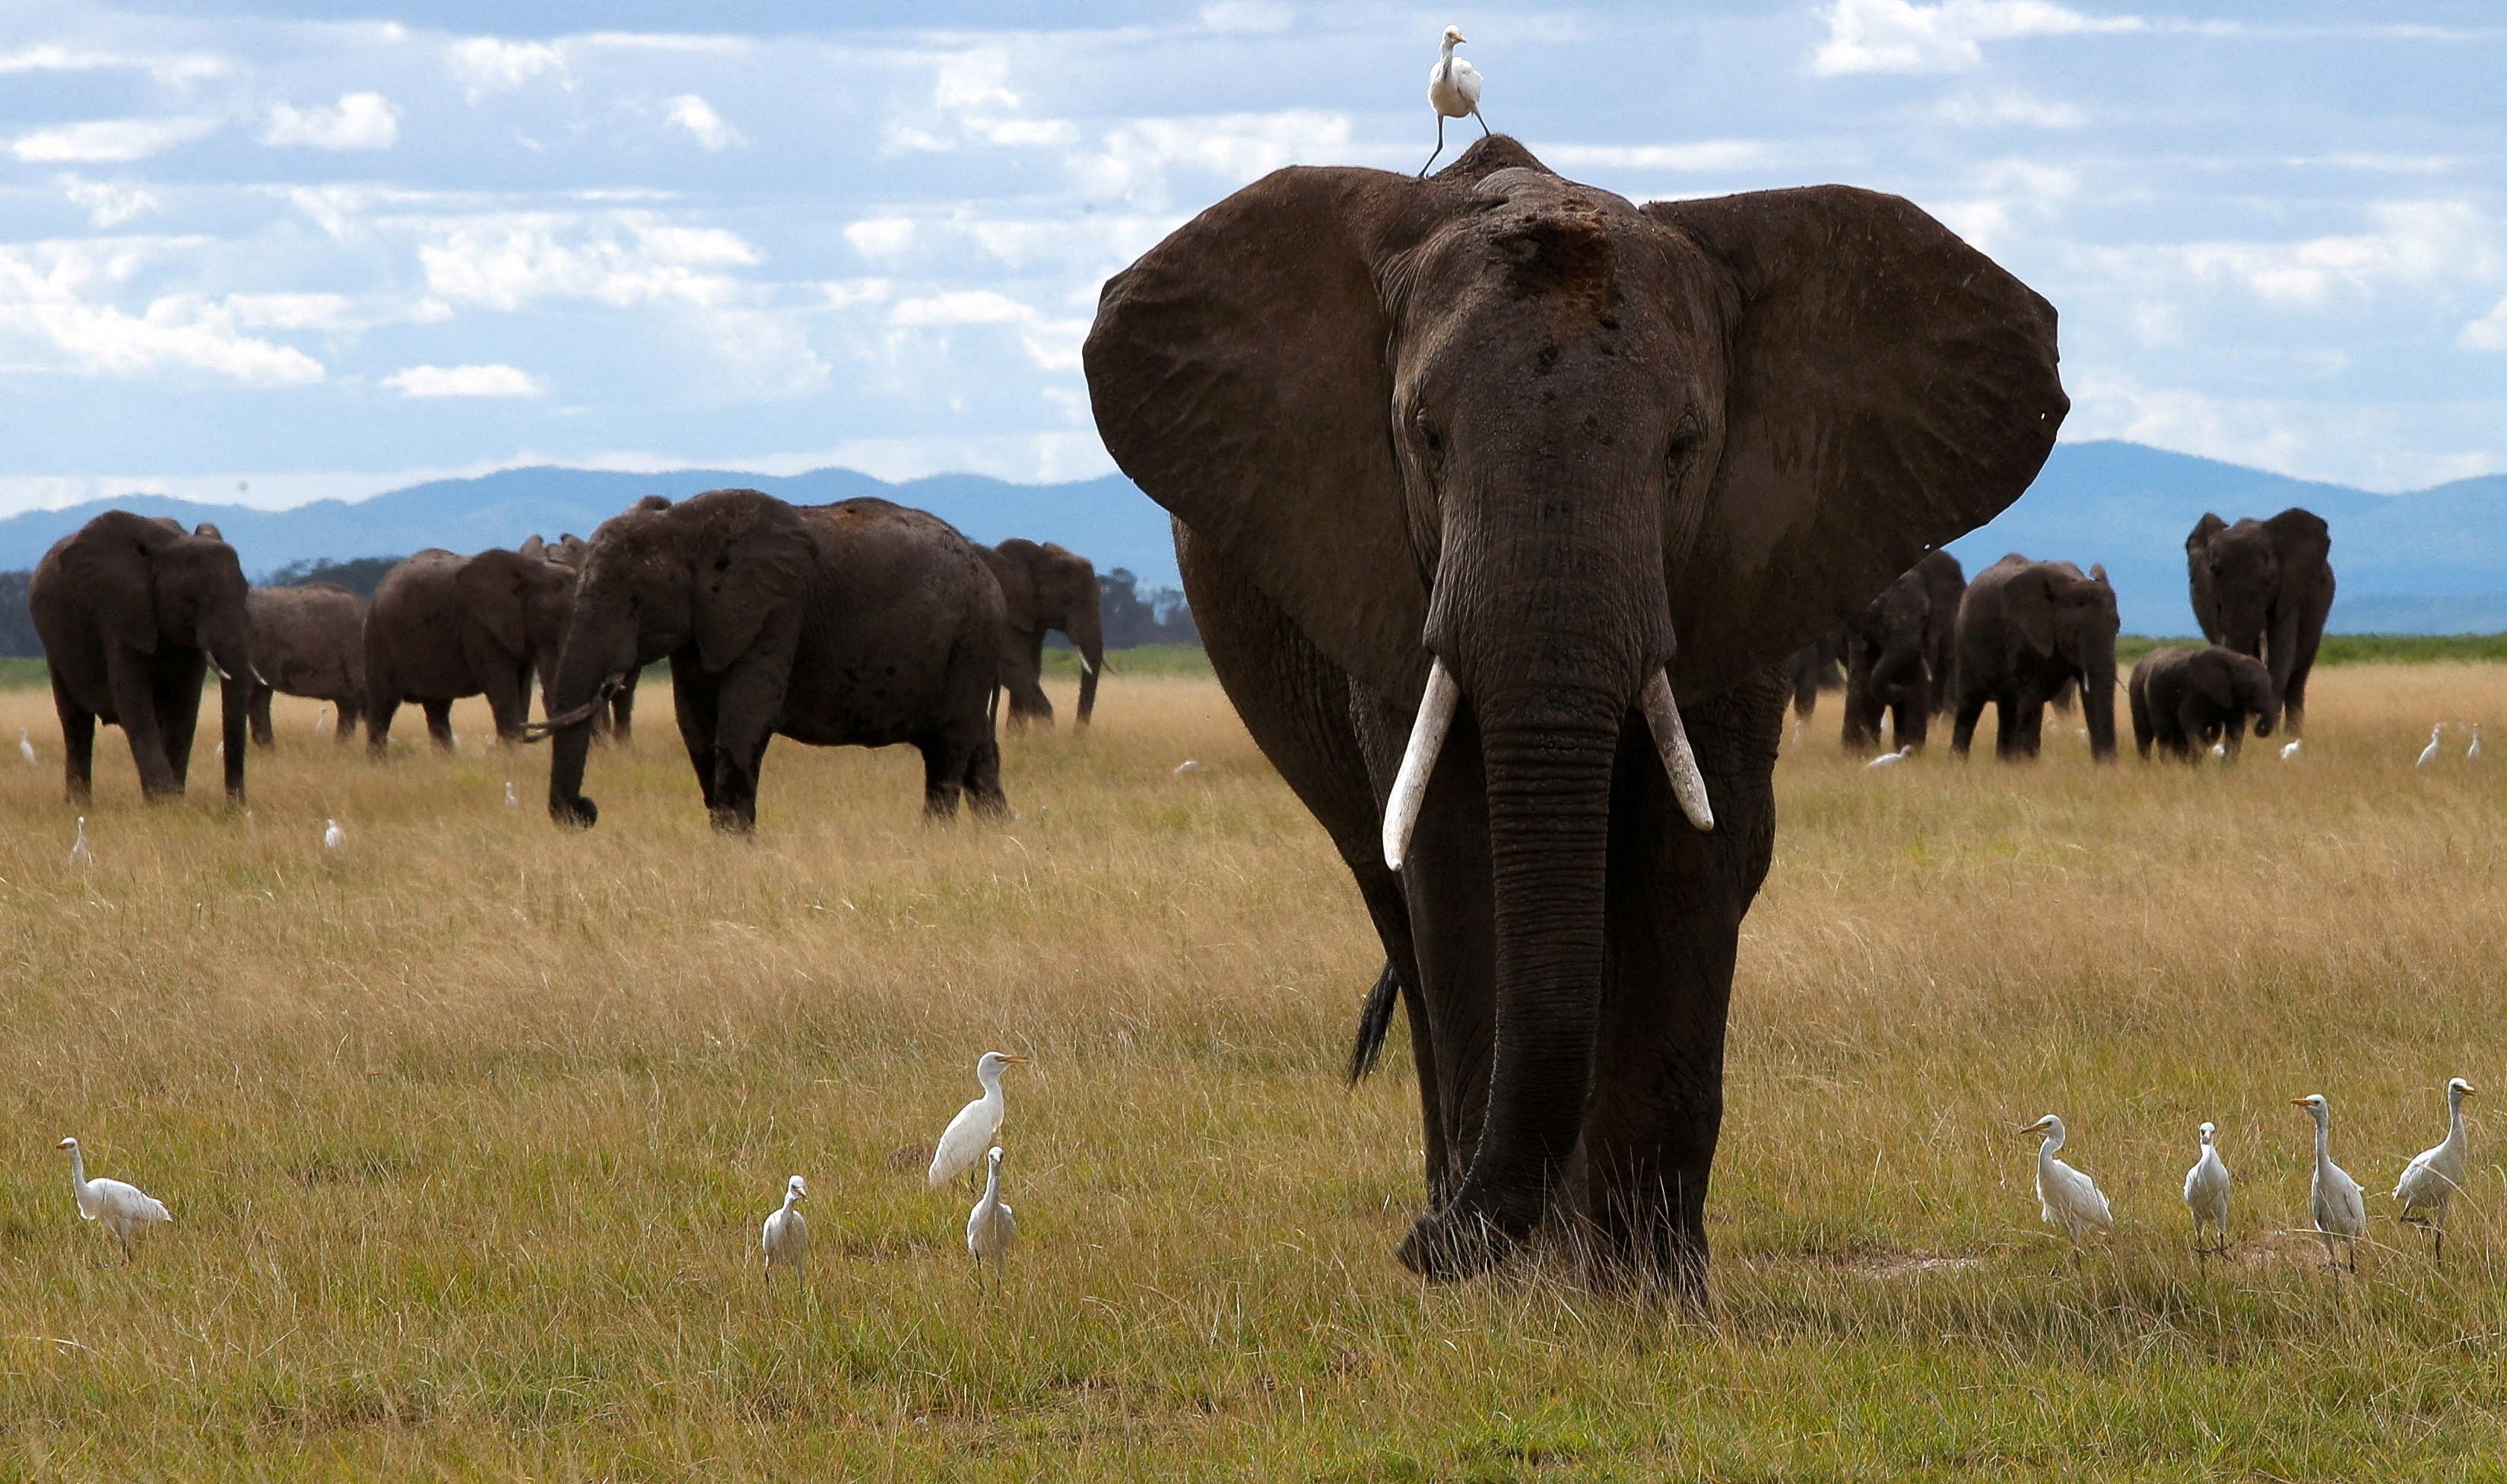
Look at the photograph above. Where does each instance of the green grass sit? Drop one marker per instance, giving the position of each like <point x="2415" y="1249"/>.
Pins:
<point x="2356" y="648"/>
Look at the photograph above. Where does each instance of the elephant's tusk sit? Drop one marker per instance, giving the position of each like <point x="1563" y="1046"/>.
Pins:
<point x="535" y="731"/>
<point x="220" y="668"/>
<point x="1419" y="761"/>
<point x="1671" y="739"/>
<point x="1085" y="667"/>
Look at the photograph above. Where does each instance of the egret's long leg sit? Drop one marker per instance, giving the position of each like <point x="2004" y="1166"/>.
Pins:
<point x="1482" y="123"/>
<point x="1441" y="146"/>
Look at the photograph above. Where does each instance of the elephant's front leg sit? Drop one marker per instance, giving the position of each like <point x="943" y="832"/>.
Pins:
<point x="439" y="723"/>
<point x="134" y="698"/>
<point x="746" y="706"/>
<point x="693" y="697"/>
<point x="1676" y="899"/>
<point x="178" y="715"/>
<point x="509" y="700"/>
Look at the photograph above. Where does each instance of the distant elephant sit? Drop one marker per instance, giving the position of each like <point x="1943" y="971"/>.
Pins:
<point x="1045" y="587"/>
<point x="2265" y="588"/>
<point x="133" y="612"/>
<point x="1897" y="654"/>
<point x="2024" y="629"/>
<point x="307" y="640"/>
<point x="1816" y="667"/>
<point x="615" y="722"/>
<point x="1500" y="503"/>
<point x="2187" y="700"/>
<point x="860" y="624"/>
<point x="443" y="625"/>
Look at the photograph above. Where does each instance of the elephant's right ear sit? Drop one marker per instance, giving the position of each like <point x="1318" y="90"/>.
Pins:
<point x="2197" y="574"/>
<point x="1239" y="376"/>
<point x="748" y="569"/>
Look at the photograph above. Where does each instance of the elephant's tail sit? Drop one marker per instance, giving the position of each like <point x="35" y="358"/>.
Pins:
<point x="1374" y="1018"/>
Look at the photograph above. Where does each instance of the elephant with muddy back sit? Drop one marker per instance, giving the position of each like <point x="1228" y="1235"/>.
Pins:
<point x="1045" y="587"/>
<point x="2265" y="588"/>
<point x="133" y="612"/>
<point x="859" y="624"/>
<point x="2184" y="701"/>
<point x="307" y="640"/>
<point x="443" y="625"/>
<point x="2025" y="631"/>
<point x="1500" y="502"/>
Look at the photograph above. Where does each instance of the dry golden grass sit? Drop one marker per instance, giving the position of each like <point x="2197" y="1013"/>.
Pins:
<point x="469" y="1131"/>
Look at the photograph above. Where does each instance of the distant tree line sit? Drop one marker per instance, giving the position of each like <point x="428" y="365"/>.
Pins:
<point x="360" y="575"/>
<point x="1136" y="615"/>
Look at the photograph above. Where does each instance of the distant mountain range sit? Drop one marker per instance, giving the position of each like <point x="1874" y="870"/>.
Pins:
<point x="2434" y="561"/>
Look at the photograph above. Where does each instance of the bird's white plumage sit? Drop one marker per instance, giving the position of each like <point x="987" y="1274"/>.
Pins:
<point x="2219" y="750"/>
<point x="2471" y="754"/>
<point x="990" y="1226"/>
<point x="2289" y="749"/>
<point x="511" y="802"/>
<point x="122" y="1209"/>
<point x="1453" y="83"/>
<point x="80" y="854"/>
<point x="2206" y="1189"/>
<point x="785" y="1238"/>
<point x="2429" y="1182"/>
<point x="1888" y="759"/>
<point x="2067" y="1197"/>
<point x="2429" y="754"/>
<point x="25" y="747"/>
<point x="2341" y="1212"/>
<point x="969" y="1134"/>
<point x="334" y="839"/>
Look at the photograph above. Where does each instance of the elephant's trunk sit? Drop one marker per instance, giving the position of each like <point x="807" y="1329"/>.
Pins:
<point x="2097" y="704"/>
<point x="232" y="658"/>
<point x="1900" y="664"/>
<point x="595" y="655"/>
<point x="1090" y="641"/>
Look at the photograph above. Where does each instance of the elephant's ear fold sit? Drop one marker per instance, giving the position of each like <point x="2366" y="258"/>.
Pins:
<point x="1239" y="376"/>
<point x="749" y="569"/>
<point x="2198" y="574"/>
<point x="2218" y="683"/>
<point x="1889" y="389"/>
<point x="2302" y="538"/>
<point x="491" y="597"/>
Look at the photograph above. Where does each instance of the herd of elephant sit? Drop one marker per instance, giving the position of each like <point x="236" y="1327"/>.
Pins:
<point x="2028" y="635"/>
<point x="861" y="623"/>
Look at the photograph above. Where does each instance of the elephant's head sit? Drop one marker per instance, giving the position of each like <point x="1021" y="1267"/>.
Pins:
<point x="198" y="594"/>
<point x="2058" y="611"/>
<point x="697" y="582"/>
<point x="1505" y="441"/>
<point x="1061" y="591"/>
<point x="2240" y="683"/>
<point x="1891" y="630"/>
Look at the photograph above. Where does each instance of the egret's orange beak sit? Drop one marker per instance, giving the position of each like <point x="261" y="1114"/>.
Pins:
<point x="1015" y="1060"/>
<point x="65" y="1144"/>
<point x="2298" y="1102"/>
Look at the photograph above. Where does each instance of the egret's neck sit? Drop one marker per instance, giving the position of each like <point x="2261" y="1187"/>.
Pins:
<point x="791" y="1200"/>
<point x="78" y="1168"/>
<point x="2054" y="1142"/>
<point x="990" y="1078"/>
<point x="2454" y="1115"/>
<point x="993" y="1183"/>
<point x="2323" y="1136"/>
<point x="1446" y="54"/>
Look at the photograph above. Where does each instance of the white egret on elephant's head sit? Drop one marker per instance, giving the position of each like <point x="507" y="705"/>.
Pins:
<point x="786" y="1235"/>
<point x="1453" y="90"/>
<point x="2206" y="1191"/>
<point x="2341" y="1212"/>
<point x="2067" y="1197"/>
<point x="990" y="1226"/>
<point x="125" y="1210"/>
<point x="2429" y="754"/>
<point x="964" y="1142"/>
<point x="2429" y="1182"/>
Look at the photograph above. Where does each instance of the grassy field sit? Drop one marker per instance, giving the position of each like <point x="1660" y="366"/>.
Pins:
<point x="468" y="1131"/>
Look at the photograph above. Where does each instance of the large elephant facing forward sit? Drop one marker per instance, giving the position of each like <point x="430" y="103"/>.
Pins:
<point x="132" y="613"/>
<point x="307" y="640"/>
<point x="443" y="625"/>
<point x="1046" y="587"/>
<point x="2265" y="588"/>
<point x="860" y="624"/>
<point x="615" y="722"/>
<point x="1500" y="501"/>
<point x="2026" y="630"/>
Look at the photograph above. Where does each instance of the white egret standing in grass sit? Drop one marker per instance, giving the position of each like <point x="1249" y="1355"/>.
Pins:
<point x="990" y="1226"/>
<point x="25" y="747"/>
<point x="1889" y="759"/>
<point x="125" y="1209"/>
<point x="334" y="839"/>
<point x="1453" y="91"/>
<point x="2429" y="754"/>
<point x="2429" y="1183"/>
<point x="2065" y="1197"/>
<point x="2289" y="749"/>
<point x="2340" y="1214"/>
<point x="2471" y="754"/>
<point x="964" y="1142"/>
<point x="80" y="854"/>
<point x="786" y="1238"/>
<point x="510" y="801"/>
<point x="2206" y="1191"/>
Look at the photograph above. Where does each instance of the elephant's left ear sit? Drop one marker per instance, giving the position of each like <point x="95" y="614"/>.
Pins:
<point x="490" y="594"/>
<point x="1889" y="389"/>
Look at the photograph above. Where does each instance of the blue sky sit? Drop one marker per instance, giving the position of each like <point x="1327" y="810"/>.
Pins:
<point x="294" y="251"/>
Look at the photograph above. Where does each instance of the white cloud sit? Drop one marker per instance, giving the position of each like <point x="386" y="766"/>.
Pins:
<point x="885" y="237"/>
<point x="494" y="381"/>
<point x="695" y="115"/>
<point x="1052" y="343"/>
<point x="108" y="141"/>
<point x="109" y="203"/>
<point x="2488" y="333"/>
<point x="484" y="65"/>
<point x="174" y="68"/>
<point x="45" y="306"/>
<point x="2408" y="243"/>
<point x="2004" y="110"/>
<point x="360" y="120"/>
<point x="1135" y="159"/>
<point x="615" y="258"/>
<point x="1247" y="15"/>
<point x="288" y="312"/>
<point x="1699" y="155"/>
<point x="971" y="103"/>
<point x="1906" y="36"/>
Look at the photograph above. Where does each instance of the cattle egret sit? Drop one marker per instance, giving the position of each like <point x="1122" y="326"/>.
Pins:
<point x="321" y="723"/>
<point x="1888" y="759"/>
<point x="80" y="854"/>
<point x="125" y="1210"/>
<point x="2206" y="1192"/>
<point x="2289" y="749"/>
<point x="2340" y="1213"/>
<point x="1188" y="765"/>
<point x="26" y="747"/>
<point x="990" y="1226"/>
<point x="1453" y="91"/>
<point x="2220" y="751"/>
<point x="2429" y="754"/>
<point x="333" y="837"/>
<point x="964" y="1142"/>
<point x="786" y="1239"/>
<point x="2429" y="1182"/>
<point x="2065" y="1197"/>
<point x="2471" y="754"/>
<point x="510" y="801"/>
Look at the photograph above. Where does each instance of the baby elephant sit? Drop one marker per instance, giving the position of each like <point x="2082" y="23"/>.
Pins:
<point x="2187" y="700"/>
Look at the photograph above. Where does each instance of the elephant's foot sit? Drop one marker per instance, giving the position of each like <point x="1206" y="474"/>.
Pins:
<point x="578" y="812"/>
<point x="1451" y="1245"/>
<point x="733" y="821"/>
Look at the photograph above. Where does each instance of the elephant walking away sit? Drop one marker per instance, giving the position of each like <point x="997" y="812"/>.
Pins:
<point x="860" y="624"/>
<point x="1045" y="587"/>
<point x="1520" y="650"/>
<point x="615" y="722"/>
<point x="2185" y="700"/>
<point x="443" y="625"/>
<point x="2024" y="629"/>
<point x="1894" y="655"/>
<point x="133" y="612"/>
<point x="307" y="640"/>
<point x="2265" y="588"/>
<point x="1818" y="666"/>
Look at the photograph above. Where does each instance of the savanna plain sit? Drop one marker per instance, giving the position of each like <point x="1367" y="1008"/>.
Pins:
<point x="468" y="1129"/>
